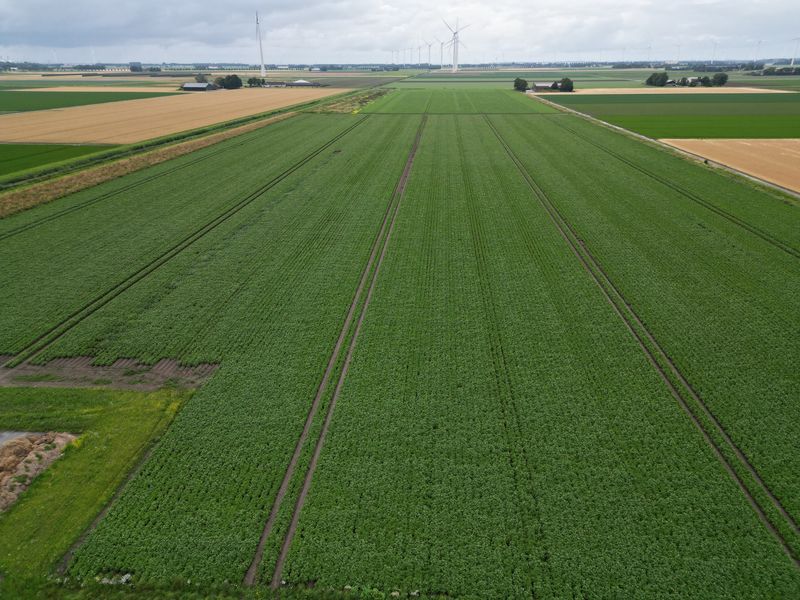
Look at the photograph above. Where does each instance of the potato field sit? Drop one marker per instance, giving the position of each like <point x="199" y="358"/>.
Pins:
<point x="468" y="346"/>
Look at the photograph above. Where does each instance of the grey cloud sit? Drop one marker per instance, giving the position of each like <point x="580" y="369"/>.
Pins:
<point x="367" y="31"/>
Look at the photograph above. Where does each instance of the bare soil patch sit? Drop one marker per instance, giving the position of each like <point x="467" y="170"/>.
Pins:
<point x="130" y="121"/>
<point x="125" y="373"/>
<point x="674" y="90"/>
<point x="23" y="458"/>
<point x="775" y="161"/>
<point x="18" y="200"/>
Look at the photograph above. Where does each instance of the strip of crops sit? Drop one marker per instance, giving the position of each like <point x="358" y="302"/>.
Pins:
<point x="266" y="294"/>
<point x="696" y="115"/>
<point x="12" y="101"/>
<point x="720" y="300"/>
<point x="500" y="433"/>
<point x="772" y="214"/>
<point x="458" y="101"/>
<point x="18" y="157"/>
<point x="92" y="249"/>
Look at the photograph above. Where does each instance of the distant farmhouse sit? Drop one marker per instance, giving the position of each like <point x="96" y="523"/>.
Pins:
<point x="198" y="87"/>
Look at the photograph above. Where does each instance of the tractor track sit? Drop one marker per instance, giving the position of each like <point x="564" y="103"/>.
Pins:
<point x="252" y="572"/>
<point x="47" y="338"/>
<point x="112" y="193"/>
<point x="788" y="249"/>
<point x="388" y="226"/>
<point x="624" y="310"/>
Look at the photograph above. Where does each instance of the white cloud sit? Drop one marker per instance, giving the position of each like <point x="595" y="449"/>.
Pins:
<point x="362" y="31"/>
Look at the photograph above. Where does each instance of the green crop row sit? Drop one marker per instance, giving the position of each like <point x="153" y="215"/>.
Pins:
<point x="18" y="157"/>
<point x="466" y="101"/>
<point x="13" y="101"/>
<point x="717" y="297"/>
<point x="500" y="434"/>
<point x="94" y="248"/>
<point x="265" y="295"/>
<point x="695" y="115"/>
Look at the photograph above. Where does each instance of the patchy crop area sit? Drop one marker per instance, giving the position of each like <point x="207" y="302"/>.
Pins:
<point x="701" y="115"/>
<point x="465" y="346"/>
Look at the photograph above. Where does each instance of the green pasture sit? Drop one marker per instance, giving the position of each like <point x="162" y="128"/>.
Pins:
<point x="701" y="115"/>
<point x="18" y="101"/>
<point x="19" y="157"/>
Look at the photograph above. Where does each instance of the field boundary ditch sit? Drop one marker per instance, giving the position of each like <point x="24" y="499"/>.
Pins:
<point x="690" y="402"/>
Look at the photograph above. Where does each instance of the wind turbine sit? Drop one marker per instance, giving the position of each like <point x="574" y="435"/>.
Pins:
<point x="260" y="47"/>
<point x="441" y="54"/>
<point x="796" y="46"/>
<point x="455" y="41"/>
<point x="756" y="53"/>
<point x="429" y="44"/>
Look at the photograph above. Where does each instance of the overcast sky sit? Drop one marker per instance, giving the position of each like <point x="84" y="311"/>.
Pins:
<point x="306" y="31"/>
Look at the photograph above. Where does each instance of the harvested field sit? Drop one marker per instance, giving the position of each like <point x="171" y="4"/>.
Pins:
<point x="675" y="90"/>
<point x="775" y="161"/>
<point x="134" y="121"/>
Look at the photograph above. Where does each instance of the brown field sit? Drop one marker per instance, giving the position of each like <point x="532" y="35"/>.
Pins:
<point x="131" y="121"/>
<point x="104" y="88"/>
<point x="675" y="90"/>
<point x="776" y="161"/>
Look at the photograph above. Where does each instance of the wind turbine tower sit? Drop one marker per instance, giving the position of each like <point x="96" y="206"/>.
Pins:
<point x="441" y="54"/>
<point x="796" y="46"/>
<point x="429" y="53"/>
<point x="260" y="47"/>
<point x="455" y="41"/>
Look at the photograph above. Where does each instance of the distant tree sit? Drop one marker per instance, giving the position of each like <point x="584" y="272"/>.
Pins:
<point x="683" y="81"/>
<point x="719" y="79"/>
<point x="566" y="85"/>
<point x="200" y="78"/>
<point x="231" y="82"/>
<point x="136" y="68"/>
<point x="254" y="82"/>
<point x="705" y="81"/>
<point x="555" y="85"/>
<point x="658" y="79"/>
<point x="520" y="84"/>
<point x="219" y="82"/>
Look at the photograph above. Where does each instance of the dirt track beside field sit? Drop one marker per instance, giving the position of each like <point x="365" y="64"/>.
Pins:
<point x="130" y="121"/>
<point x="775" y="161"/>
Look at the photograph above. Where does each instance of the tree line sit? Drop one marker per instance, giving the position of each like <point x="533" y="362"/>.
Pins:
<point x="661" y="79"/>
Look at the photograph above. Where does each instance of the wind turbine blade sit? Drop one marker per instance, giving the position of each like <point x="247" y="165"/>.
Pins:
<point x="448" y="26"/>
